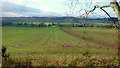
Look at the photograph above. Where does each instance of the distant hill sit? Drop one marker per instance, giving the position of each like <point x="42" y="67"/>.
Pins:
<point x="55" y="19"/>
<point x="40" y="19"/>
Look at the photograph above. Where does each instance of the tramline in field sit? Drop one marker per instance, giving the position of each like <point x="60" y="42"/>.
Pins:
<point x="52" y="41"/>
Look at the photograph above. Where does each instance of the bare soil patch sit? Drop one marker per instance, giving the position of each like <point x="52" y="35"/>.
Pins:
<point x="113" y="46"/>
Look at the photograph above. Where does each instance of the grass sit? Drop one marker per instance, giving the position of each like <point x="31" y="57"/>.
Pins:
<point x="49" y="46"/>
<point x="51" y="42"/>
<point x="86" y="60"/>
<point x="107" y="35"/>
<point x="0" y="36"/>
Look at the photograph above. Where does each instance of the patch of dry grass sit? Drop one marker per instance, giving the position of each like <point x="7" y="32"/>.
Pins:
<point x="62" y="61"/>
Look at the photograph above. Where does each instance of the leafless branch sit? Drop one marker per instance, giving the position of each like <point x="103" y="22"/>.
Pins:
<point x="102" y="6"/>
<point x="110" y="17"/>
<point x="88" y="12"/>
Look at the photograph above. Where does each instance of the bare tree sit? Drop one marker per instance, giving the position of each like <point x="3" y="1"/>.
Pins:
<point x="113" y="4"/>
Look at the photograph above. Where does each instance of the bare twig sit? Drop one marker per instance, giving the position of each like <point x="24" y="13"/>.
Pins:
<point x="88" y="12"/>
<point x="110" y="17"/>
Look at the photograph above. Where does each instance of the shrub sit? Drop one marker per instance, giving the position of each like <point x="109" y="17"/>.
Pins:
<point x="7" y="62"/>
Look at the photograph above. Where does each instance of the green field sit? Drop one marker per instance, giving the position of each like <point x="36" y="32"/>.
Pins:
<point x="53" y="42"/>
<point x="103" y="34"/>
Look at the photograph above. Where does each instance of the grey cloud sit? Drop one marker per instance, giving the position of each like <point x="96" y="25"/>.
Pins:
<point x="11" y="10"/>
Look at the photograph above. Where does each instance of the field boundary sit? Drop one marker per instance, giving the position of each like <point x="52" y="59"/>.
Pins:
<point x="112" y="46"/>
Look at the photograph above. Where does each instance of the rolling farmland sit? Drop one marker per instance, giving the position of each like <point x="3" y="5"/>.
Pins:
<point x="52" y="41"/>
<point x="106" y="37"/>
<point x="60" y="33"/>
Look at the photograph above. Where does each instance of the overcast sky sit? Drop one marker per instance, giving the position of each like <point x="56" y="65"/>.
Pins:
<point x="42" y="8"/>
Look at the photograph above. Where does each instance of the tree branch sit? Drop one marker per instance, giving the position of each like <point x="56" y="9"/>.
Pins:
<point x="111" y="5"/>
<point x="110" y="18"/>
<point x="103" y="6"/>
<point x="93" y="9"/>
<point x="88" y="12"/>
